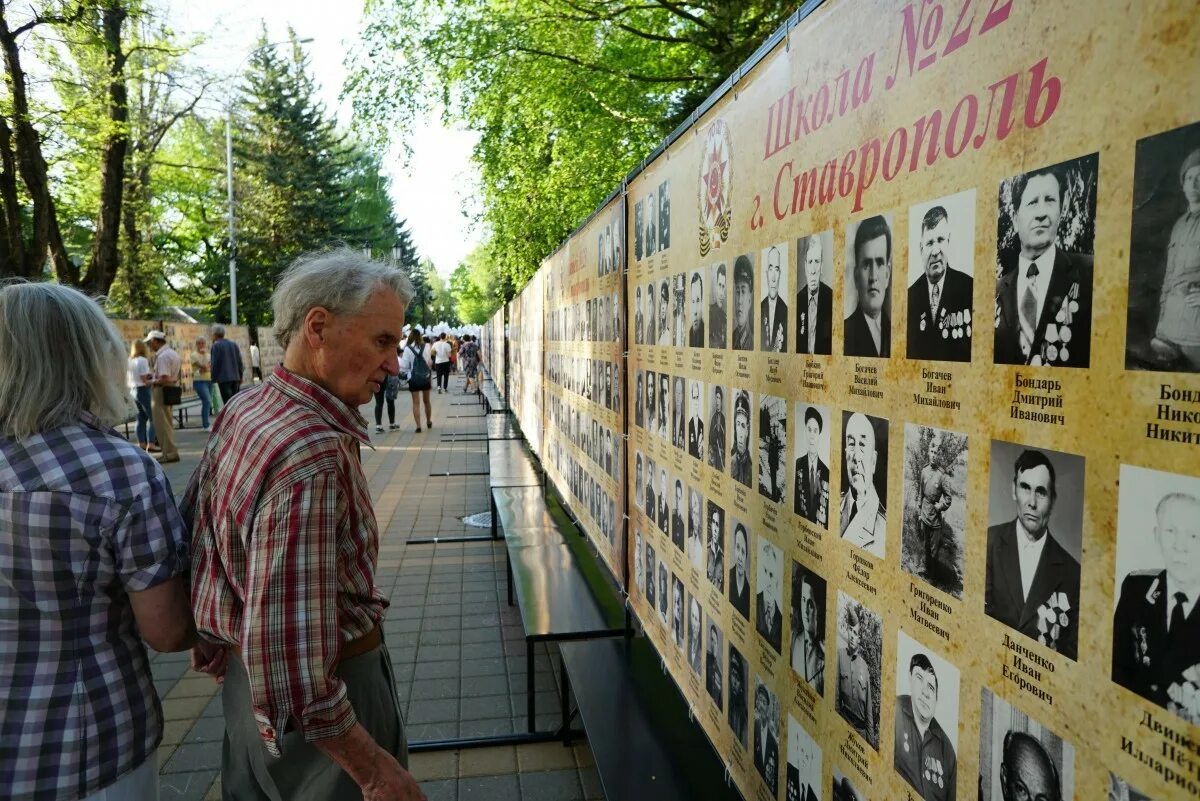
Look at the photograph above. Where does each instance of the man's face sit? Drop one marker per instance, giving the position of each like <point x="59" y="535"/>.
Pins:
<point x="650" y="395"/>
<point x="664" y="387"/>
<point x="741" y="431"/>
<point x="695" y="404"/>
<point x="1038" y="210"/>
<point x="677" y="604"/>
<point x="1191" y="185"/>
<point x="852" y="639"/>
<point x="720" y="283"/>
<point x="714" y="531"/>
<point x="761" y="707"/>
<point x="741" y="302"/>
<point x="773" y="269"/>
<point x="770" y="568"/>
<point x="694" y="510"/>
<point x="934" y="243"/>
<point x="735" y="679"/>
<point x="872" y="273"/>
<point x="922" y="687"/>
<point x="359" y="351"/>
<point x="860" y="453"/>
<point x="694" y="619"/>
<point x="814" y="434"/>
<point x="678" y="496"/>
<point x="808" y="608"/>
<point x="712" y="638"/>
<point x="739" y="550"/>
<point x="1178" y="535"/>
<point x="1034" y="495"/>
<point x="662" y="483"/>
<point x="1028" y="776"/>
<point x="664" y="307"/>
<point x="697" y="302"/>
<point x="933" y="449"/>
<point x="812" y="263"/>
<point x="155" y="345"/>
<point x="718" y="400"/>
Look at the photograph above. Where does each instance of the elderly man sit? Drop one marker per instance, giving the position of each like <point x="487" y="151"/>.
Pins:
<point x="167" y="367"/>
<point x="677" y="531"/>
<point x="1177" y="335"/>
<point x="713" y="680"/>
<point x="694" y="637"/>
<point x="811" y="498"/>
<point x="664" y="509"/>
<point x="940" y="320"/>
<point x="868" y="328"/>
<point x="774" y="311"/>
<point x="1026" y="770"/>
<point x="695" y="529"/>
<point x="226" y="364"/>
<point x="863" y="516"/>
<point x="737" y="695"/>
<point x="695" y="426"/>
<point x="696" y="337"/>
<point x="768" y="617"/>
<point x="285" y="548"/>
<point x="743" y="304"/>
<point x="814" y="301"/>
<point x="923" y="754"/>
<point x="717" y="314"/>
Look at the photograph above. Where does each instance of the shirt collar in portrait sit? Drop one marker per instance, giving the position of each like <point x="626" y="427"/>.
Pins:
<point x="940" y="286"/>
<point x="1029" y="553"/>
<point x="332" y="410"/>
<point x="873" y="325"/>
<point x="1189" y="605"/>
<point x="1045" y="265"/>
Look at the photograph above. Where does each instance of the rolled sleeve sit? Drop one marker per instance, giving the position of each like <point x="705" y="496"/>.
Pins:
<point x="150" y="540"/>
<point x="291" y="638"/>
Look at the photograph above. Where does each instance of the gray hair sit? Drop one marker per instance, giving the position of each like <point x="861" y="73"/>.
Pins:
<point x="218" y="330"/>
<point x="59" y="357"/>
<point x="340" y="280"/>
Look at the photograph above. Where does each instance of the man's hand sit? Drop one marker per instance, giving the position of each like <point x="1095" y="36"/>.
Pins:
<point x="390" y="782"/>
<point x="210" y="658"/>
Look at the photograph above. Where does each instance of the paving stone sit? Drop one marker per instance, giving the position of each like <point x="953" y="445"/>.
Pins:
<point x="194" y="685"/>
<point x="438" y="653"/>
<point x="551" y="785"/>
<point x="487" y="761"/>
<point x="185" y="708"/>
<point x="447" y="637"/>
<point x="484" y="707"/>
<point x="214" y="792"/>
<point x="489" y="788"/>
<point x="590" y="780"/>
<point x="207" y="730"/>
<point x="437" y="670"/>
<point x="483" y="667"/>
<point x="545" y="756"/>
<point x="421" y="732"/>
<point x="431" y="765"/>
<point x="436" y="711"/>
<point x="484" y="685"/>
<point x="433" y="689"/>
<point x="195" y="756"/>
<point x="480" y="651"/>
<point x="441" y="789"/>
<point x="491" y="727"/>
<point x="480" y="636"/>
<point x="214" y="708"/>
<point x="163" y="670"/>
<point x="185" y="786"/>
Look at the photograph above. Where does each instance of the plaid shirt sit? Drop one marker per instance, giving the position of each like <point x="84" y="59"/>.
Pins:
<point x="85" y="517"/>
<point x="285" y="546"/>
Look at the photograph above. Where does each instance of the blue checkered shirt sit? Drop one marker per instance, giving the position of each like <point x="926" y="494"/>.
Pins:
<point x="85" y="517"/>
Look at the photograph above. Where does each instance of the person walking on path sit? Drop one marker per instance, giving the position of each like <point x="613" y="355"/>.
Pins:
<point x="202" y="378"/>
<point x="455" y="344"/>
<point x="164" y="393"/>
<point x="227" y="366"/>
<point x="255" y="363"/>
<point x="388" y="392"/>
<point x="416" y="365"/>
<point x="286" y="545"/>
<point x="441" y="362"/>
<point x="137" y="370"/>
<point x="469" y="354"/>
<point x="95" y="554"/>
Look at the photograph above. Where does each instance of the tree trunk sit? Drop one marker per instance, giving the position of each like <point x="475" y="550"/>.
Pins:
<point x="12" y="240"/>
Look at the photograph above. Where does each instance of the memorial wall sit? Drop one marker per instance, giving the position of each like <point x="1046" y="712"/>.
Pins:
<point x="525" y="363"/>
<point x="912" y="403"/>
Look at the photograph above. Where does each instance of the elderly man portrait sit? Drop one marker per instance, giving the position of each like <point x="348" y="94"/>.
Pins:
<point x="718" y="314"/>
<point x="739" y="572"/>
<point x="285" y="548"/>
<point x="227" y="366"/>
<point x="940" y="301"/>
<point x="862" y="516"/>
<point x="1176" y="339"/>
<point x="651" y="315"/>
<point x="923" y="752"/>
<point x="1044" y="293"/>
<point x="695" y="426"/>
<point x="695" y="529"/>
<point x="716" y="429"/>
<point x="677" y="531"/>
<point x="1032" y="583"/>
<point x="743" y="303"/>
<point x="811" y="497"/>
<point x="814" y="301"/>
<point x="695" y="337"/>
<point x="1027" y="771"/>
<point x="664" y="313"/>
<point x="738" y="711"/>
<point x="165" y="381"/>
<point x="664" y="507"/>
<point x="869" y="328"/>
<point x="694" y="635"/>
<point x="713" y="674"/>
<point x="768" y="616"/>
<point x="639" y="321"/>
<point x="774" y="311"/>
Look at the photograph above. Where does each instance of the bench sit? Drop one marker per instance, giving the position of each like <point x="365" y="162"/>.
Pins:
<point x="492" y="400"/>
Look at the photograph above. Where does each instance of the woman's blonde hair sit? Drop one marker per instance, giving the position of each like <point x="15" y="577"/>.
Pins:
<point x="137" y="348"/>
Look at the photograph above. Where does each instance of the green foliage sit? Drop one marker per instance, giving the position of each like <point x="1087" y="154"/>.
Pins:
<point x="474" y="287"/>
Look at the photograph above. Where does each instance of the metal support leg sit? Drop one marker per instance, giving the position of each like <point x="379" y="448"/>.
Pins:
<point x="564" y="696"/>
<point x="495" y="514"/>
<point x="508" y="562"/>
<point x="529" y="703"/>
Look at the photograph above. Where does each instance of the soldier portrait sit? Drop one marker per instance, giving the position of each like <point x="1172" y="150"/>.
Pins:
<point x="738" y="703"/>
<point x="810" y="491"/>
<point x="664" y="590"/>
<point x="695" y="637"/>
<point x="926" y="725"/>
<point x="639" y="404"/>
<point x="664" y="312"/>
<point x="768" y="616"/>
<point x="718" y="306"/>
<point x="651" y="224"/>
<point x="935" y="506"/>
<point x="1163" y="324"/>
<point x="862" y="517"/>
<point x="696" y="337"/>
<point x="651" y="504"/>
<point x="766" y="734"/>
<point x="941" y="273"/>
<point x="808" y="627"/>
<point x="695" y="426"/>
<point x="664" y="505"/>
<point x="1034" y="541"/>
<point x="714" y="653"/>
<point x="1047" y="226"/>
<point x="639" y="232"/>
<point x="716" y="427"/>
<point x="739" y="453"/>
<point x="650" y="587"/>
<point x="651" y="314"/>
<point x="715" y="547"/>
<point x="651" y="402"/>
<point x="678" y="310"/>
<point x="695" y="529"/>
<point x="678" y="420"/>
<point x="743" y="302"/>
<point x="803" y="780"/>
<point x="772" y="448"/>
<point x="1156" y="623"/>
<point x="859" y="656"/>
<point x="867" y="299"/>
<point x="739" y="571"/>
<point x="1019" y="757"/>
<point x="773" y="310"/>
<point x="814" y="295"/>
<point x="664" y="215"/>
<point x="639" y="319"/>
<point x="638" y="490"/>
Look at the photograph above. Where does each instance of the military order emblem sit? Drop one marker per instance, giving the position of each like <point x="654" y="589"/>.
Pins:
<point x="716" y="188"/>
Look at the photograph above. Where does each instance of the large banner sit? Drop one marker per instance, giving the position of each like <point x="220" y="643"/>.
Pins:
<point x="526" y="367"/>
<point x="914" y="341"/>
<point x="585" y="343"/>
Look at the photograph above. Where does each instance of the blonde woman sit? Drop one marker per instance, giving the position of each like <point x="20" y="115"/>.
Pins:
<point x="136" y="370"/>
<point x="202" y="378"/>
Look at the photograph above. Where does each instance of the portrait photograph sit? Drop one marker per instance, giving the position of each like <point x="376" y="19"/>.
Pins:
<point x="718" y="305"/>
<point x="639" y="563"/>
<point x="678" y="310"/>
<point x="677" y="610"/>
<point x="926" y="721"/>
<point x="843" y="789"/>
<point x="714" y="549"/>
<point x="664" y="396"/>
<point x="1019" y="757"/>
<point x="808" y="627"/>
<point x="639" y="403"/>
<point x="714" y="655"/>
<point x="862" y="513"/>
<point x="651" y="587"/>
<point x="651" y="337"/>
<point x="678" y="537"/>
<point x="743" y="303"/>
<point x="740" y="466"/>
<point x="810" y="486"/>
<point x="803" y="774"/>
<point x="1034" y="542"/>
<point x="679" y="397"/>
<point x="1046" y="234"/>
<point x="739" y="704"/>
<point x="773" y="308"/>
<point x="696" y="336"/>
<point x="664" y="591"/>
<point x="695" y="634"/>
<point x="639" y="239"/>
<point x="717" y="427"/>
<point x="696" y="443"/>
<point x="867" y="294"/>
<point x="651" y="402"/>
<point x="739" y="568"/>
<point x="1163" y="319"/>
<point x="935" y="507"/>
<point x="664" y="313"/>
<point x="664" y="215"/>
<point x="814" y="294"/>
<point x="1156" y="622"/>
<point x="651" y="500"/>
<point x="772" y="448"/>
<point x="1121" y="790"/>
<point x="766" y="734"/>
<point x="651" y="224"/>
<point x="859" y="658"/>
<point x="638" y="476"/>
<point x="768" y="600"/>
<point x="941" y="278"/>
<point x="695" y="529"/>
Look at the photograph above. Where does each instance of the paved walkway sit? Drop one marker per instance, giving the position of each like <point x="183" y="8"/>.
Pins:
<point x="457" y="647"/>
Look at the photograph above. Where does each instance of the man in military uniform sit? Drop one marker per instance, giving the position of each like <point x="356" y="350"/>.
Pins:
<point x="766" y="744"/>
<point x="737" y="695"/>
<point x="933" y="499"/>
<point x="940" y="324"/>
<point x="924" y="755"/>
<point x="854" y="680"/>
<point x="1026" y="770"/>
<point x="743" y="304"/>
<point x="739" y="456"/>
<point x="863" y="516"/>
<point x="811" y="497"/>
<point x="1156" y="626"/>
<point x="717" y="316"/>
<point x="716" y="430"/>
<point x="696" y="329"/>
<point x="715" y="566"/>
<point x="650" y="500"/>
<point x="677" y="516"/>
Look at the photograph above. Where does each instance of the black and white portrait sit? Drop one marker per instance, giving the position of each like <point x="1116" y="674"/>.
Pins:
<point x="664" y="503"/>
<point x="717" y="440"/>
<point x="843" y="789"/>
<point x="664" y="215"/>
<point x="926" y="727"/>
<point x="639" y="480"/>
<point x="679" y="310"/>
<point x="814" y="294"/>
<point x="1034" y="541"/>
<point x="810" y="486"/>
<point x="677" y="611"/>
<point x="935" y="506"/>
<point x="664" y="394"/>
<point x="651" y="500"/>
<point x="772" y="448"/>
<point x="808" y="627"/>
<point x="664" y="591"/>
<point x="639" y="232"/>
<point x="651" y="337"/>
<point x="639" y="563"/>
<point x="664" y="312"/>
<point x="695" y="529"/>
<point x="1045" y="239"/>
<point x="768" y="614"/>
<point x="773" y="310"/>
<point x="677" y="530"/>
<point x="651" y="595"/>
<point x="678" y="419"/>
<point x="714" y="657"/>
<point x="639" y="402"/>
<point x="803" y="780"/>
<point x="739" y="453"/>
<point x="696" y="337"/>
<point x="739" y="570"/>
<point x="1156" y="623"/>
<point x="639" y="317"/>
<point x="867" y="299"/>
<point x="766" y="734"/>
<point x="695" y="425"/>
<point x="715" y="546"/>
<point x="651" y="402"/>
<point x="862" y="517"/>
<point x="1163" y="331"/>
<point x="743" y="302"/>
<point x="1121" y="790"/>
<point x="695" y="635"/>
<point x="1019" y="758"/>
<point x="650" y="232"/>
<point x="739" y="707"/>
<point x="859" y="658"/>
<point x="718" y="305"/>
<point x="941" y="279"/>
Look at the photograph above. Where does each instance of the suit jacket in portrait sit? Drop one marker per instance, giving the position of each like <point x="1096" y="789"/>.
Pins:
<point x="766" y="756"/>
<point x="1057" y="571"/>
<point x="677" y="530"/>
<point x="696" y="437"/>
<point x="823" y="341"/>
<point x="739" y="598"/>
<point x="793" y="787"/>
<point x="780" y="331"/>
<point x="859" y="341"/>
<point x="770" y="626"/>
<point x="1072" y="273"/>
<point x="696" y="335"/>
<point x="812" y="502"/>
<point x="716" y="326"/>
<point x="948" y="336"/>
<point x="716" y="441"/>
<point x="1145" y="659"/>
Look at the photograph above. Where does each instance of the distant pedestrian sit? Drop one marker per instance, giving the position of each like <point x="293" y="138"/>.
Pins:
<point x="255" y="363"/>
<point x="227" y="366"/>
<point x="94" y="558"/>
<point x="138" y="380"/>
<point x="387" y="393"/>
<point x="165" y="392"/>
<point x="469" y="354"/>
<point x="455" y="344"/>
<point x="202" y="378"/>
<point x="416" y="365"/>
<point x="441" y="362"/>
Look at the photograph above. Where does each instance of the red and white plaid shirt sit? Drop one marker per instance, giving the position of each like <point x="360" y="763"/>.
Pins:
<point x="285" y="546"/>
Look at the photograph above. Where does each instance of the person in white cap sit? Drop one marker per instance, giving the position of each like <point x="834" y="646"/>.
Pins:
<point x="167" y="366"/>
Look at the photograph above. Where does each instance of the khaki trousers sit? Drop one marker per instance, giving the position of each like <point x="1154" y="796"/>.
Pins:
<point x="164" y="429"/>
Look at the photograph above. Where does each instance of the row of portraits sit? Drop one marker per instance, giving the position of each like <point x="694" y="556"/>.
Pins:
<point x="652" y="222"/>
<point x="582" y="486"/>
<point x="593" y="380"/>
<point x="592" y="320"/>
<point x="589" y="435"/>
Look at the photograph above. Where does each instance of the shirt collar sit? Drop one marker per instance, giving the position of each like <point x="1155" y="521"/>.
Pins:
<point x="316" y="397"/>
<point x="1024" y="544"/>
<point x="1044" y="262"/>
